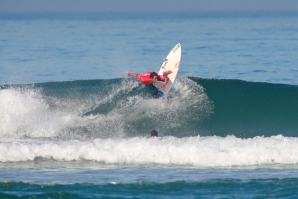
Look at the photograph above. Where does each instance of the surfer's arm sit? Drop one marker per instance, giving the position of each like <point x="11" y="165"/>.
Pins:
<point x="166" y="73"/>
<point x="131" y="74"/>
<point x="165" y="82"/>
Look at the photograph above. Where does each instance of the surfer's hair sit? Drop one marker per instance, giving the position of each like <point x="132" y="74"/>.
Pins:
<point x="153" y="74"/>
<point x="154" y="133"/>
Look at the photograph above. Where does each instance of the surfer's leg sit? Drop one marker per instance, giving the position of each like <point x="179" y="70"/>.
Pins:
<point x="154" y="89"/>
<point x="167" y="72"/>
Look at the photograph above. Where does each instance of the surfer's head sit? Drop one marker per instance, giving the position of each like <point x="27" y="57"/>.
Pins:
<point x="154" y="133"/>
<point x="153" y="77"/>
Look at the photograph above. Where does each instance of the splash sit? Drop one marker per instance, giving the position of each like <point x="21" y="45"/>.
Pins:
<point x="98" y="109"/>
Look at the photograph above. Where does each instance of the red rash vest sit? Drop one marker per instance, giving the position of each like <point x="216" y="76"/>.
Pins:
<point x="145" y="78"/>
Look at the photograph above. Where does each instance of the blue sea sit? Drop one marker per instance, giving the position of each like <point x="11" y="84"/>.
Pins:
<point x="72" y="125"/>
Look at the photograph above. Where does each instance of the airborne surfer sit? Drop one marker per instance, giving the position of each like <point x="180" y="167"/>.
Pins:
<point x="149" y="78"/>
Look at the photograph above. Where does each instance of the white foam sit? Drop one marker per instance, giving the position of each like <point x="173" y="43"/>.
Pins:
<point x="20" y="110"/>
<point x="27" y="113"/>
<point x="192" y="151"/>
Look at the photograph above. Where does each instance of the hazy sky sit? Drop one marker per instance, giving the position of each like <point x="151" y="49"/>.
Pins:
<point x="146" y="5"/>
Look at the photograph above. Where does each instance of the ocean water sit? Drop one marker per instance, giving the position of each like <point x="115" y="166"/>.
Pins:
<point x="72" y="125"/>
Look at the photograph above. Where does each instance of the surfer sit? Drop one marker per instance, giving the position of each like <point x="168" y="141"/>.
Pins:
<point x="149" y="78"/>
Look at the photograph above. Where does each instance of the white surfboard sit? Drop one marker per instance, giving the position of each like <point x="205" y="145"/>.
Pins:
<point x="171" y="62"/>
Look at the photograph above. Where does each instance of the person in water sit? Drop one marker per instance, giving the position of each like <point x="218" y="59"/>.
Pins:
<point x="149" y="78"/>
<point x="154" y="133"/>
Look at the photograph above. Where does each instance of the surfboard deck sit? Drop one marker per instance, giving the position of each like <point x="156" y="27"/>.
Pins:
<point x="171" y="62"/>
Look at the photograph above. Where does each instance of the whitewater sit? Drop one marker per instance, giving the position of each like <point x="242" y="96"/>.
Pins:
<point x="169" y="151"/>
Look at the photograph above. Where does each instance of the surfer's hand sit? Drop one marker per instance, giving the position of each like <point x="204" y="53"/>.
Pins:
<point x="163" y="85"/>
<point x="128" y="74"/>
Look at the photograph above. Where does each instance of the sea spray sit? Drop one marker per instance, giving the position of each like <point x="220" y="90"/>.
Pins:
<point x="113" y="109"/>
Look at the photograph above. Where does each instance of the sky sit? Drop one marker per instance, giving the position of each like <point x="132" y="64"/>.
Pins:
<point x="146" y="5"/>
